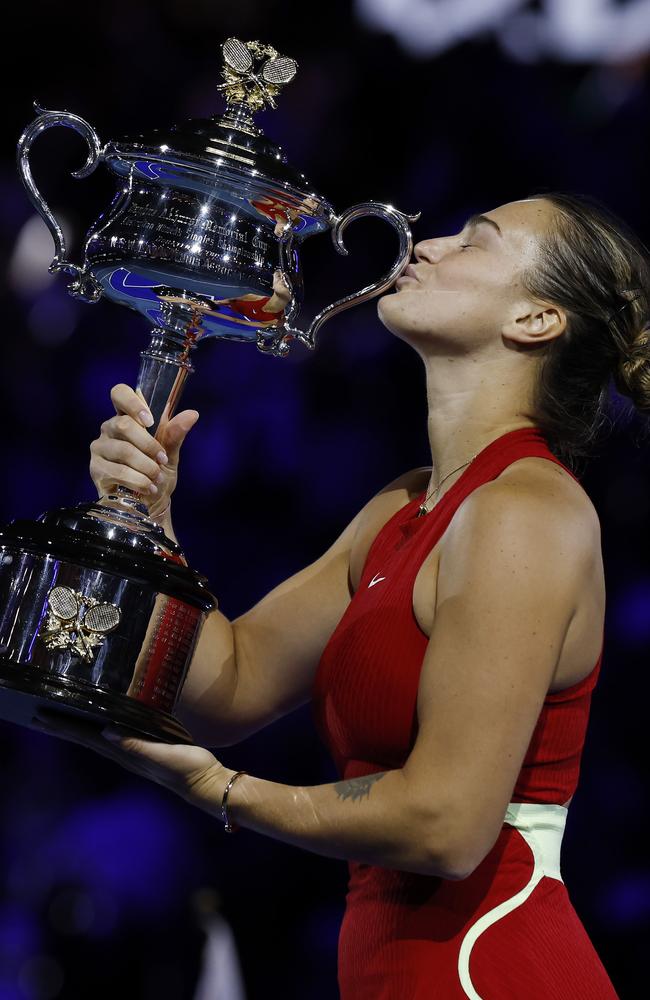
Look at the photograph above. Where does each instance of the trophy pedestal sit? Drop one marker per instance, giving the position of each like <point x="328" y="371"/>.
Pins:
<point x="24" y="693"/>
<point x="99" y="618"/>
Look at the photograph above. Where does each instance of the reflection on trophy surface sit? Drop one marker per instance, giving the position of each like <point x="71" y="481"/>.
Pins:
<point x="99" y="611"/>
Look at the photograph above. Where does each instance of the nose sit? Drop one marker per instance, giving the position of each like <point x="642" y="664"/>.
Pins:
<point x="431" y="250"/>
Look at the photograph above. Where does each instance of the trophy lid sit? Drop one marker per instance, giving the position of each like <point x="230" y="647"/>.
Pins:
<point x="232" y="146"/>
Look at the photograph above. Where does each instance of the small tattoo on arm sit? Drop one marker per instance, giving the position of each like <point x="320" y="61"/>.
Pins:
<point x="357" y="788"/>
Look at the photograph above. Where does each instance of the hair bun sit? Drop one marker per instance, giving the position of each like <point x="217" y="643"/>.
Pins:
<point x="632" y="376"/>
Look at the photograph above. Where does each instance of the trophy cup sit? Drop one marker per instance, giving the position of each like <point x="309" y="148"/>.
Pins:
<point x="99" y="611"/>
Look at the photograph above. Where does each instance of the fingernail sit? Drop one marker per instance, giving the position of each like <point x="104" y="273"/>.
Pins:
<point x="162" y="458"/>
<point x="145" y="417"/>
<point x="160" y="478"/>
<point x="153" y="489"/>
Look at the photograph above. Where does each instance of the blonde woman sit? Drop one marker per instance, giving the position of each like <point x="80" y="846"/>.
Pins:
<point x="451" y="637"/>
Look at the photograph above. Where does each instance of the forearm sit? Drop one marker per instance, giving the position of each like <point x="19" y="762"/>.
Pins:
<point x="208" y="703"/>
<point x="374" y="819"/>
<point x="213" y="705"/>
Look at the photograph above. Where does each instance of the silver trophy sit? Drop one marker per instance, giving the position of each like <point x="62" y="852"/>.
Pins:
<point x="99" y="611"/>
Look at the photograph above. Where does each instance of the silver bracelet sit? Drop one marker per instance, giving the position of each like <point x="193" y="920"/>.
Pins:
<point x="228" y="826"/>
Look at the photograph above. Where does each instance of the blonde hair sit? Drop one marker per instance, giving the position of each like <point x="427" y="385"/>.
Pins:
<point x="592" y="265"/>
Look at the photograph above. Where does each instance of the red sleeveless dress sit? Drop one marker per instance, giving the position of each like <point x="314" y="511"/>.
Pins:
<point x="509" y="931"/>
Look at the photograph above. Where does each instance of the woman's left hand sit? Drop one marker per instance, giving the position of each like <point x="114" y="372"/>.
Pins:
<point x="190" y="771"/>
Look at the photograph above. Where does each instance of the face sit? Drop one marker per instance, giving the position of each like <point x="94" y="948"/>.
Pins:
<point x="465" y="291"/>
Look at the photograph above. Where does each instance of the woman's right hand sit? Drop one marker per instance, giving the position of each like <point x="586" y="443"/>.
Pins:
<point x="126" y="454"/>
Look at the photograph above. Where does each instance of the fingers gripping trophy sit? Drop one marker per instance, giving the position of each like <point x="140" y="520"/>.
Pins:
<point x="99" y="610"/>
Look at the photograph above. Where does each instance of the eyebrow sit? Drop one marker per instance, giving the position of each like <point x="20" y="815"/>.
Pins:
<point x="476" y="220"/>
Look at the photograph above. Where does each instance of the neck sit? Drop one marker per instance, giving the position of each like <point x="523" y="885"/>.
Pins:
<point x="469" y="409"/>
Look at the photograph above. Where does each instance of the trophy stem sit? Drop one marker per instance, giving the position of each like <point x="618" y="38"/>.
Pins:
<point x="164" y="368"/>
<point x="163" y="371"/>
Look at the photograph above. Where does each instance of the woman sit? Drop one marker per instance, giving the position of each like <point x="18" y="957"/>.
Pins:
<point x="452" y="635"/>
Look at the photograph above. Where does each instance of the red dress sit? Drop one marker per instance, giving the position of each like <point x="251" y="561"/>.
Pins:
<point x="509" y="931"/>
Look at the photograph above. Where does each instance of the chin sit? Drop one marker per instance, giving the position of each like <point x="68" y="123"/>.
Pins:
<point x="392" y="315"/>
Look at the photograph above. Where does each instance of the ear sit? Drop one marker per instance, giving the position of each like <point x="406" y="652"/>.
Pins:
<point x="535" y="323"/>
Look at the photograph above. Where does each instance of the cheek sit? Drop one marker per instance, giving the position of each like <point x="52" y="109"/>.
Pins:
<point x="475" y="270"/>
<point x="468" y="276"/>
<point x="484" y="289"/>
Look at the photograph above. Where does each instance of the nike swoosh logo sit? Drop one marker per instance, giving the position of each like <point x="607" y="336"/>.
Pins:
<point x="376" y="579"/>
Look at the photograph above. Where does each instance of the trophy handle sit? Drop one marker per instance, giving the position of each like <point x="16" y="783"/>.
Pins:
<point x="279" y="344"/>
<point x="84" y="286"/>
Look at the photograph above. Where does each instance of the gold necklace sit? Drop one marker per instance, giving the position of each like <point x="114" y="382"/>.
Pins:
<point x="422" y="508"/>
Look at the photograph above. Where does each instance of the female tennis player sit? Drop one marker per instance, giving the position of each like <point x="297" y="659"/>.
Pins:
<point x="451" y="638"/>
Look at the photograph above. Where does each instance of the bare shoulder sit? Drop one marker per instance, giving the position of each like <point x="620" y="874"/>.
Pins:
<point x="540" y="481"/>
<point x="379" y="510"/>
<point x="536" y="500"/>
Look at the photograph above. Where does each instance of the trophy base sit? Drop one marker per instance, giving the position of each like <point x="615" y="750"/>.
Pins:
<point x="99" y="619"/>
<point x="27" y="692"/>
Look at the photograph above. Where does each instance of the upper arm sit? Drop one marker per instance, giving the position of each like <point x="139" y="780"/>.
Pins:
<point x="509" y="580"/>
<point x="280" y="640"/>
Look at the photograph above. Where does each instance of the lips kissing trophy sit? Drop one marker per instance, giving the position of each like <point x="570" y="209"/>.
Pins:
<point x="99" y="611"/>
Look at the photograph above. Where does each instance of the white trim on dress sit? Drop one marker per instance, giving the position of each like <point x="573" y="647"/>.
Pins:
<point x="542" y="827"/>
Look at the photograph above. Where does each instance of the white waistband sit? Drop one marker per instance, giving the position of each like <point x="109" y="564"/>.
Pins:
<point x="542" y="827"/>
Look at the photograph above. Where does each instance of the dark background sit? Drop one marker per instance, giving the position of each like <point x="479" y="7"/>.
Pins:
<point x="105" y="879"/>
